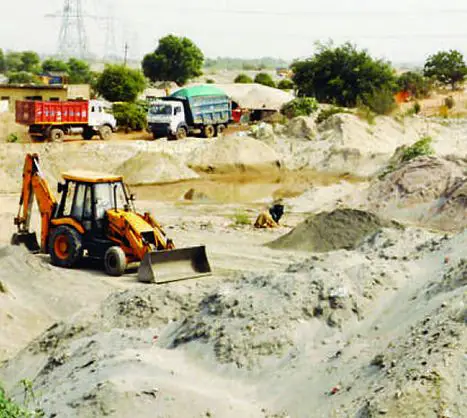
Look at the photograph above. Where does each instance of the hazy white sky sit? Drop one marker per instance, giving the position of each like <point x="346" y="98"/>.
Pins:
<point x="399" y="30"/>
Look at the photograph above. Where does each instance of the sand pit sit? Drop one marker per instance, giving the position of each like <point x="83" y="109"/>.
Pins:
<point x="329" y="231"/>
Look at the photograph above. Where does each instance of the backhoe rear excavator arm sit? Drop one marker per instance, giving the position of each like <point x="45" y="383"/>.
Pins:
<point x="34" y="184"/>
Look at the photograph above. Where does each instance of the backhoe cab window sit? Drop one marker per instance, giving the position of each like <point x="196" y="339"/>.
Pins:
<point x="105" y="198"/>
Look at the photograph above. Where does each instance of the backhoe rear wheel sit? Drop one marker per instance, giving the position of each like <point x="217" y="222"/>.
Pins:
<point x="65" y="247"/>
<point x="115" y="261"/>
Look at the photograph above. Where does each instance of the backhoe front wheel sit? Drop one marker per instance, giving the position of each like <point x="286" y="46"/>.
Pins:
<point x="65" y="247"/>
<point x="115" y="261"/>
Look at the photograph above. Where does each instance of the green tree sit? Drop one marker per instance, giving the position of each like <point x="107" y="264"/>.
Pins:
<point x="30" y="61"/>
<point x="265" y="79"/>
<point x="79" y="72"/>
<point x="301" y="106"/>
<point x="175" y="59"/>
<point x="285" y="84"/>
<point x="22" y="77"/>
<point x="446" y="67"/>
<point x="118" y="83"/>
<point x="243" y="79"/>
<point x="414" y="83"/>
<point x="52" y="64"/>
<point x="131" y="116"/>
<point x="13" y="61"/>
<point x="342" y="75"/>
<point x="2" y="62"/>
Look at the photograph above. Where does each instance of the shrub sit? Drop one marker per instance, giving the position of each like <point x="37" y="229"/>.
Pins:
<point x="265" y="79"/>
<point x="443" y="111"/>
<point x="12" y="138"/>
<point x="417" y="108"/>
<point x="8" y="409"/>
<point x="210" y="81"/>
<point x="380" y="102"/>
<point x="130" y="115"/>
<point x="241" y="218"/>
<point x="365" y="113"/>
<point x="414" y="83"/>
<point x="286" y="84"/>
<point x="420" y="148"/>
<point x="325" y="114"/>
<point x="301" y="106"/>
<point x="243" y="79"/>
<point x="449" y="102"/>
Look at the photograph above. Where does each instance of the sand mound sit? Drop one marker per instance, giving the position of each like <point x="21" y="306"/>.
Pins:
<point x="302" y="127"/>
<point x="328" y="231"/>
<point x="8" y="126"/>
<point x="151" y="168"/>
<point x="234" y="154"/>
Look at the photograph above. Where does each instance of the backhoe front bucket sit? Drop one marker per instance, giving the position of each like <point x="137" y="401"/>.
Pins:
<point x="27" y="239"/>
<point x="172" y="265"/>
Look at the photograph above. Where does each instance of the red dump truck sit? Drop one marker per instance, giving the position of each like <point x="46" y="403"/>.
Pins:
<point x="53" y="120"/>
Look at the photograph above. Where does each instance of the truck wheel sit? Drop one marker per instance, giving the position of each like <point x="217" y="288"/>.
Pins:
<point x="155" y="136"/>
<point x="105" y="133"/>
<point x="88" y="133"/>
<point x="220" y="129"/>
<point x="56" y="135"/>
<point x="65" y="247"/>
<point x="209" y="131"/>
<point x="181" y="133"/>
<point x="115" y="261"/>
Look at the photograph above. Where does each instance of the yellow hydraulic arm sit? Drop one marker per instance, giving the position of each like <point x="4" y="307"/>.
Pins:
<point x="34" y="184"/>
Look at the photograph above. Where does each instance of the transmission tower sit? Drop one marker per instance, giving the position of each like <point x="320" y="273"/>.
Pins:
<point x="111" y="52"/>
<point x="72" y="41"/>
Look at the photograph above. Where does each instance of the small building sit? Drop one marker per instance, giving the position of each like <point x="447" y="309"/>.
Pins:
<point x="14" y="92"/>
<point x="54" y="78"/>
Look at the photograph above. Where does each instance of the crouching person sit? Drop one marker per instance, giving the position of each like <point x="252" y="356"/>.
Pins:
<point x="270" y="218"/>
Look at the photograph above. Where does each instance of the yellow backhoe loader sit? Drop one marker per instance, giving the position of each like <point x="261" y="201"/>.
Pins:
<point x="96" y="218"/>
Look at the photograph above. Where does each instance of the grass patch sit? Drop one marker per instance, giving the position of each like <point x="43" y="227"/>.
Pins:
<point x="241" y="218"/>
<point x="9" y="409"/>
<point x="325" y="114"/>
<point x="365" y="113"/>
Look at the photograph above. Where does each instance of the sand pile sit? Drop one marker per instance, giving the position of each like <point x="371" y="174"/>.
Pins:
<point x="329" y="231"/>
<point x="235" y="154"/>
<point x="9" y="128"/>
<point x="428" y="190"/>
<point x="151" y="168"/>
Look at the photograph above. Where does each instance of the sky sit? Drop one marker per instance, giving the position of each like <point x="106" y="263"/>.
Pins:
<point x="402" y="31"/>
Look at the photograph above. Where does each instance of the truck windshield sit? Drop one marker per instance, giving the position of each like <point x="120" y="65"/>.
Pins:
<point x="105" y="197"/>
<point x="161" y="109"/>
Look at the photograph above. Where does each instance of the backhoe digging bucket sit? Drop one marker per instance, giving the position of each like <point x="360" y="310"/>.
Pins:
<point x="172" y="265"/>
<point x="27" y="239"/>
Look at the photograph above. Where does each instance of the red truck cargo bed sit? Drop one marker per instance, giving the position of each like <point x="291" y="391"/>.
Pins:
<point x="58" y="113"/>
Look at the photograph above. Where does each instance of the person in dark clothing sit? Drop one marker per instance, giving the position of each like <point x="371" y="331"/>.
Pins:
<point x="276" y="211"/>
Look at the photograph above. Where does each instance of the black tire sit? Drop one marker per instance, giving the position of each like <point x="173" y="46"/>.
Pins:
<point x="69" y="237"/>
<point x="155" y="136"/>
<point x="56" y="135"/>
<point x="88" y="134"/>
<point x="181" y="133"/>
<point x="105" y="132"/>
<point x="220" y="130"/>
<point x="115" y="261"/>
<point x="209" y="131"/>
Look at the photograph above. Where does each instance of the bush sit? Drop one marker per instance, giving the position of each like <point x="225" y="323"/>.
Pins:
<point x="325" y="114"/>
<point x="241" y="218"/>
<point x="243" y="79"/>
<point x="286" y="84"/>
<point x="210" y="81"/>
<point x="365" y="113"/>
<point x="331" y="76"/>
<point x="417" y="108"/>
<point x="380" y="102"/>
<point x="118" y="83"/>
<point x="414" y="83"/>
<point x="265" y="79"/>
<point x="301" y="106"/>
<point x="8" y="409"/>
<point x="420" y="148"/>
<point x="130" y="115"/>
<point x="449" y="102"/>
<point x="12" y="138"/>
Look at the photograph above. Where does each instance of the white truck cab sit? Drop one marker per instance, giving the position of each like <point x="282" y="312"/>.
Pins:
<point x="99" y="115"/>
<point x="167" y="119"/>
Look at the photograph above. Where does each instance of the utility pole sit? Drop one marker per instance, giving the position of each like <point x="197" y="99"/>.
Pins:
<point x="126" y="54"/>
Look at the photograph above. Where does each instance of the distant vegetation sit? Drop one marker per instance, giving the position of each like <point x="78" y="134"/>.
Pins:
<point x="243" y="79"/>
<point x="286" y="84"/>
<point x="118" y="83"/>
<point x="415" y="83"/>
<point x="226" y="63"/>
<point x="130" y="116"/>
<point x="330" y="76"/>
<point x="325" y="114"/>
<point x="448" y="68"/>
<point x="265" y="79"/>
<point x="176" y="59"/>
